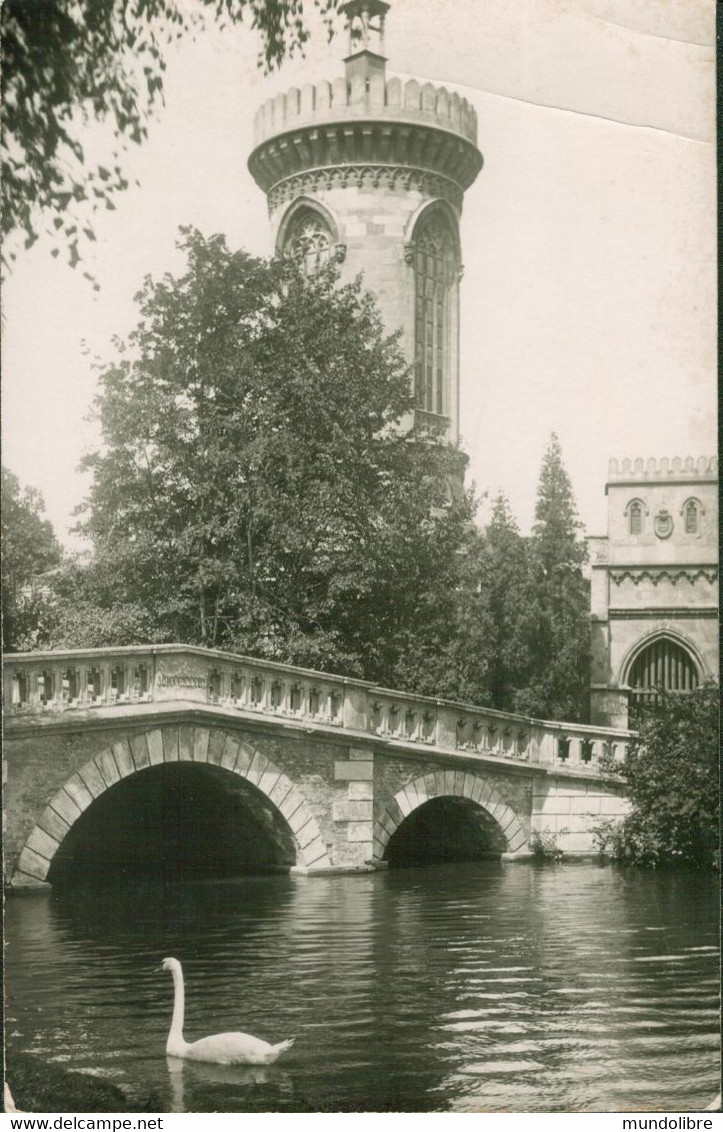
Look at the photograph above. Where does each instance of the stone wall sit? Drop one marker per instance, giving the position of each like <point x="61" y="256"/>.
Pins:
<point x="339" y="801"/>
<point x="571" y="809"/>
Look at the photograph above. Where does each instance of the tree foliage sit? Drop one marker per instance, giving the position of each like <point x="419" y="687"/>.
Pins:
<point x="257" y="489"/>
<point x="29" y="551"/>
<point x="671" y="775"/>
<point x="557" y="606"/>
<point x="66" y="63"/>
<point x="504" y="585"/>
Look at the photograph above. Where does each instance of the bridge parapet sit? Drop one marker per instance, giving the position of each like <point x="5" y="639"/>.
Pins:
<point x="71" y="685"/>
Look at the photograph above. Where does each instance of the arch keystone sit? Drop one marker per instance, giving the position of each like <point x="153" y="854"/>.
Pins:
<point x="185" y="743"/>
<point x="201" y="738"/>
<point x="154" y="739"/>
<point x="170" y="744"/>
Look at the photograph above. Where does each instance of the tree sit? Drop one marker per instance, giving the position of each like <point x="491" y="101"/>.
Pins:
<point x="82" y="609"/>
<point x="257" y="489"/>
<point x="469" y="642"/>
<point x="67" y="61"/>
<point x="503" y="581"/>
<point x="29" y="551"/>
<point x="671" y="778"/>
<point x="444" y="645"/>
<point x="558" y="600"/>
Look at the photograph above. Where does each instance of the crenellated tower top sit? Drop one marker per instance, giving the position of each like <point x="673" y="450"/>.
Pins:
<point x="372" y="171"/>
<point x="363" y="116"/>
<point x="633" y="470"/>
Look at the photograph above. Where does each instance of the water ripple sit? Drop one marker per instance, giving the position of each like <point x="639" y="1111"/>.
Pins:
<point x="460" y="988"/>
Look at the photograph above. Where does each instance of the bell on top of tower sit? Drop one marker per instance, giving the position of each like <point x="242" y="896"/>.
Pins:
<point x="366" y="37"/>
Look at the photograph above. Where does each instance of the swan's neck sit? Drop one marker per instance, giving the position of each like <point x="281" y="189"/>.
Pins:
<point x="176" y="1034"/>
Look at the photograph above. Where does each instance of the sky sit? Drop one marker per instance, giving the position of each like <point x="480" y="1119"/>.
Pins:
<point x="588" y="299"/>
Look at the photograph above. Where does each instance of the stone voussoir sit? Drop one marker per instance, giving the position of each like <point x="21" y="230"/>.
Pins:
<point x="216" y="744"/>
<point x="201" y="739"/>
<point x="154" y="739"/>
<point x="108" y="767"/>
<point x="123" y="757"/>
<point x="92" y="777"/>
<point x="170" y="744"/>
<point x="139" y="748"/>
<point x="52" y="822"/>
<point x="79" y="792"/>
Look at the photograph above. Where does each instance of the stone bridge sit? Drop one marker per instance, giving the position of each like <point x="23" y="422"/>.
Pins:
<point x="153" y="760"/>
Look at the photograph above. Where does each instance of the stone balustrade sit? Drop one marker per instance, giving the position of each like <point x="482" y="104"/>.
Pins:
<point x="42" y="686"/>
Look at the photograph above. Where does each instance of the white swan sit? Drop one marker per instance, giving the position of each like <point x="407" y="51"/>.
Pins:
<point x="221" y="1049"/>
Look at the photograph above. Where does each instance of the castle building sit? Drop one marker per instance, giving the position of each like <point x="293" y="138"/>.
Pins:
<point x="372" y="171"/>
<point x="654" y="592"/>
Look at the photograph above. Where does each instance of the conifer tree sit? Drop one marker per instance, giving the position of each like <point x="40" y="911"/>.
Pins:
<point x="557" y="604"/>
<point x="503" y="581"/>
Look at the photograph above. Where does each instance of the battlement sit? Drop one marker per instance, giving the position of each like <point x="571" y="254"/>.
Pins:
<point x="704" y="467"/>
<point x="373" y="96"/>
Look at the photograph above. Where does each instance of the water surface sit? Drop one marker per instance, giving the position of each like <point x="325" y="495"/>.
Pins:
<point x="450" y="988"/>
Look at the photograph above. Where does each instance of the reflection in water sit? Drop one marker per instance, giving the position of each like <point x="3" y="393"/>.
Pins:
<point x="465" y="988"/>
<point x="198" y="1071"/>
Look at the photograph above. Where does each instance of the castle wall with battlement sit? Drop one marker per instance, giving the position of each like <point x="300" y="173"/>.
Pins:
<point x="664" y="468"/>
<point x="383" y="98"/>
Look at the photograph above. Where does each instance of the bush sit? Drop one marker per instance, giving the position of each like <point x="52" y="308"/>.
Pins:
<point x="671" y="778"/>
<point x="543" y="844"/>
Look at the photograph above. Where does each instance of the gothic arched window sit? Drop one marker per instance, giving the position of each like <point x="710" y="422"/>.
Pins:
<point x="662" y="666"/>
<point x="434" y="273"/>
<point x="691" y="512"/>
<point x="635" y="517"/>
<point x="309" y="239"/>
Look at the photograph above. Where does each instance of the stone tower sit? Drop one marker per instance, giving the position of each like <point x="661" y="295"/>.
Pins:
<point x="654" y="592"/>
<point x="372" y="171"/>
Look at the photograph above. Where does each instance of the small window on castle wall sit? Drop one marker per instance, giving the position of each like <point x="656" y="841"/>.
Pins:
<point x="635" y="518"/>
<point x="309" y="241"/>
<point x="691" y="517"/>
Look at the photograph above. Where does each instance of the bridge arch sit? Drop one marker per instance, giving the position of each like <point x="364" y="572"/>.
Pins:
<point x="158" y="746"/>
<point x="449" y="784"/>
